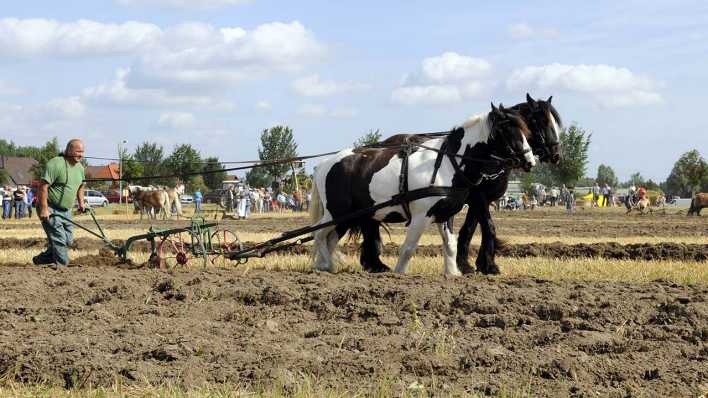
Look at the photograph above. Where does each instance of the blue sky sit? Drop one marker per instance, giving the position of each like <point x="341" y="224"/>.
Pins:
<point x="214" y="73"/>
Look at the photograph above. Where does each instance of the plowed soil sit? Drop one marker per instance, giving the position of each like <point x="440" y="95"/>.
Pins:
<point x="94" y="325"/>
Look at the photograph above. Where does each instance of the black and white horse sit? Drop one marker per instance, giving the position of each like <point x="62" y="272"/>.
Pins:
<point x="356" y="179"/>
<point x="544" y="123"/>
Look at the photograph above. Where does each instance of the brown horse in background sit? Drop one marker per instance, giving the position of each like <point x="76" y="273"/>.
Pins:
<point x="698" y="203"/>
<point x="152" y="202"/>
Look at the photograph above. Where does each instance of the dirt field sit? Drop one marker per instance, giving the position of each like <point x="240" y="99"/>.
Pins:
<point x="98" y="323"/>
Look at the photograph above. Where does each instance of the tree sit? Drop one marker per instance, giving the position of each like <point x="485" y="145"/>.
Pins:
<point x="130" y="168"/>
<point x="184" y="161"/>
<point x="4" y="177"/>
<point x="42" y="156"/>
<point x="605" y="175"/>
<point x="575" y="142"/>
<point x="150" y="155"/>
<point x="689" y="174"/>
<point x="277" y="143"/>
<point x="258" y="177"/>
<point x="574" y="158"/>
<point x="212" y="176"/>
<point x="370" y="138"/>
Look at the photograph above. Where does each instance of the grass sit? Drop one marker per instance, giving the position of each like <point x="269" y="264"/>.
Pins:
<point x="397" y="236"/>
<point x="636" y="271"/>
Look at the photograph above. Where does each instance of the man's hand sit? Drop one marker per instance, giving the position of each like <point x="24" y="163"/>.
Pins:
<point x="44" y="214"/>
<point x="82" y="207"/>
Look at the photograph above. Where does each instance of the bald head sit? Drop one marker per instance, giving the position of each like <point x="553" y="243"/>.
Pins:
<point x="74" y="151"/>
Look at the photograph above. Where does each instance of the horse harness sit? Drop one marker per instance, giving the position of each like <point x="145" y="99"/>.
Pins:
<point x="405" y="196"/>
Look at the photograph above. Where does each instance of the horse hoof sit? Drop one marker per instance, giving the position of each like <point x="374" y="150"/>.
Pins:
<point x="465" y="268"/>
<point x="380" y="268"/>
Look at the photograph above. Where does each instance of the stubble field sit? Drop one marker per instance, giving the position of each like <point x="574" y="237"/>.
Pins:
<point x="596" y="302"/>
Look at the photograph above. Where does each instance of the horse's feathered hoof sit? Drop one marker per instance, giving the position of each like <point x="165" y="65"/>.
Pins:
<point x="379" y="269"/>
<point x="489" y="269"/>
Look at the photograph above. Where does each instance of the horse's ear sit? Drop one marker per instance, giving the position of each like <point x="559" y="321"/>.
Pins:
<point x="530" y="100"/>
<point x="501" y="108"/>
<point x="494" y="108"/>
<point x="549" y="99"/>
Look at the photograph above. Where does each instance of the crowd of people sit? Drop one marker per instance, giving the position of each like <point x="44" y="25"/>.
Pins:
<point x="244" y="200"/>
<point x="17" y="202"/>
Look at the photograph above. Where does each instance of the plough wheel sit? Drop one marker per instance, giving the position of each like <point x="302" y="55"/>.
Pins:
<point x="222" y="242"/>
<point x="171" y="252"/>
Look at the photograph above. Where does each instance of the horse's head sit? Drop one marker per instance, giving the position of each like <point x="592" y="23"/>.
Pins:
<point x="508" y="137"/>
<point x="545" y="124"/>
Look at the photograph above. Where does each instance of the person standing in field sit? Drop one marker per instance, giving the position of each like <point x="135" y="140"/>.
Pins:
<point x="29" y="198"/>
<point x="595" y="194"/>
<point x="18" y="198"/>
<point x="569" y="200"/>
<point x="198" y="201"/>
<point x="6" y="203"/>
<point x="61" y="184"/>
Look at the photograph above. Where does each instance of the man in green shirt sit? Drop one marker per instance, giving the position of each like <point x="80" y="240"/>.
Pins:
<point x="61" y="184"/>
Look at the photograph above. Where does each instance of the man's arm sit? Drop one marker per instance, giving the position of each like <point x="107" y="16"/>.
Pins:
<point x="42" y="206"/>
<point x="80" y="197"/>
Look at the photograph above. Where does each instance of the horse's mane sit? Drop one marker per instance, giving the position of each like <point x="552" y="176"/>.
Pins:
<point x="483" y="120"/>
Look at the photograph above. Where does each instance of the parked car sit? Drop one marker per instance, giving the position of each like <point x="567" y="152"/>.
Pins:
<point x="113" y="197"/>
<point x="94" y="198"/>
<point x="186" y="199"/>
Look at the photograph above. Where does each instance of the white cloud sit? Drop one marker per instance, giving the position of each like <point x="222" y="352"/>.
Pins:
<point x="185" y="56"/>
<point x="66" y="108"/>
<point x="523" y="31"/>
<point x="453" y="67"/>
<point x="25" y="38"/>
<point x="176" y="120"/>
<point x="52" y="117"/>
<point x="609" y="85"/>
<point x="312" y="86"/>
<point x="201" y="56"/>
<point x="183" y="4"/>
<point x="118" y="93"/>
<point x="8" y="89"/>
<point x="445" y="79"/>
<point x="316" y="110"/>
<point x="264" y="105"/>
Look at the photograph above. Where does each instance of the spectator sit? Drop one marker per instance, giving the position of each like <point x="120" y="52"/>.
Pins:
<point x="6" y="203"/>
<point x="595" y="194"/>
<point x="198" y="201"/>
<point x="609" y="200"/>
<point x="554" y="196"/>
<point x="569" y="200"/>
<point x="18" y="198"/>
<point x="29" y="199"/>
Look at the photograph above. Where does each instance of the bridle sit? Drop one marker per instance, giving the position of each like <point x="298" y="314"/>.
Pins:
<point x="544" y="146"/>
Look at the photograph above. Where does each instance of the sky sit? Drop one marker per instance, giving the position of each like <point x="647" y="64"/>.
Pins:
<point x="215" y="73"/>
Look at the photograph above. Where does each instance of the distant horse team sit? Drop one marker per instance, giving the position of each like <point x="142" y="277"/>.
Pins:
<point x="155" y="202"/>
<point x="428" y="179"/>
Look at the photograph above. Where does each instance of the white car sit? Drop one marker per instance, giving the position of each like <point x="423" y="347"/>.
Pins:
<point x="186" y="199"/>
<point x="94" y="198"/>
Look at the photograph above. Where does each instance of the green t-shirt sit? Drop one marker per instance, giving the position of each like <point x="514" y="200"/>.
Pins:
<point x="64" y="181"/>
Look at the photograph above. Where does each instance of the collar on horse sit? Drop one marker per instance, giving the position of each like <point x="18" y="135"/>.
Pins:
<point x="405" y="196"/>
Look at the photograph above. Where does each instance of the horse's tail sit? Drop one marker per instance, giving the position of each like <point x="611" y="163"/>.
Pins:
<point x="316" y="208"/>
